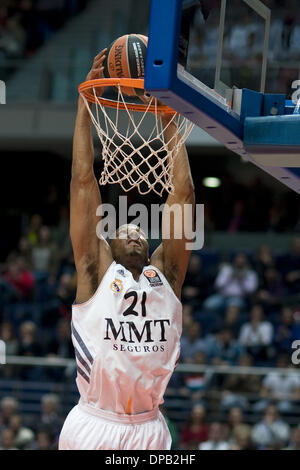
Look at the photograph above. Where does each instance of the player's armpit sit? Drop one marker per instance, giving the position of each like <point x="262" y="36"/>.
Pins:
<point x="172" y="255"/>
<point x="92" y="254"/>
<point x="175" y="241"/>
<point x="157" y="258"/>
<point x="178" y="214"/>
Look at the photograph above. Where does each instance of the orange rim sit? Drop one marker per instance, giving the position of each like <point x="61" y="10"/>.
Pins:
<point x="86" y="89"/>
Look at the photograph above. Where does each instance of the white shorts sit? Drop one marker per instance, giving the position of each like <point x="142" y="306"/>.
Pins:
<point x="88" y="428"/>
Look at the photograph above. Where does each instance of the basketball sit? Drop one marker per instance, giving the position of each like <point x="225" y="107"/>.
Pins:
<point x="126" y="58"/>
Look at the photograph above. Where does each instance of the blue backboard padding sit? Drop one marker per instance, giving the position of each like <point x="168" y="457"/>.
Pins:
<point x="163" y="44"/>
<point x="272" y="100"/>
<point x="252" y="103"/>
<point x="163" y="82"/>
<point x="204" y="105"/>
<point x="289" y="107"/>
<point x="161" y="79"/>
<point x="295" y="171"/>
<point x="272" y="130"/>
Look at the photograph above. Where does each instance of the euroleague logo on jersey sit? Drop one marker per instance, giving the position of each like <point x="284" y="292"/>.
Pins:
<point x="116" y="285"/>
<point x="150" y="273"/>
<point x="153" y="277"/>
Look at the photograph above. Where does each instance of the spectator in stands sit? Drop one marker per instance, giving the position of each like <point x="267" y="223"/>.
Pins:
<point x="20" y="279"/>
<point x="67" y="265"/>
<point x="61" y="345"/>
<point x="263" y="260"/>
<point x="289" y="34"/>
<point x="286" y="332"/>
<point x="236" y="387"/>
<point x="235" y="417"/>
<point x="187" y="317"/>
<point x="61" y="234"/>
<point x="32" y="232"/>
<point x="28" y="342"/>
<point x="196" y="49"/>
<point x="49" y="417"/>
<point x="12" y="37"/>
<point x="290" y="267"/>
<point x="66" y="292"/>
<point x="234" y="284"/>
<point x="271" y="291"/>
<point x="277" y="47"/>
<point x="231" y="320"/>
<point x="7" y="334"/>
<point x="24" y="251"/>
<point x="245" y="40"/>
<point x="196" y="282"/>
<point x="272" y="431"/>
<point x="294" y="443"/>
<point x="8" y="407"/>
<point x="192" y="342"/>
<point x="295" y="42"/>
<point x="197" y="383"/>
<point x="238" y="220"/>
<point x="8" y="440"/>
<point x="214" y="441"/>
<point x="1" y="423"/>
<point x="23" y="435"/>
<point x="284" y="388"/>
<point x="256" y="336"/>
<point x="29" y="346"/>
<point x="43" y="441"/>
<point x="44" y="255"/>
<point x="60" y="305"/>
<point x="241" y="439"/>
<point x="195" y="430"/>
<point x="225" y="350"/>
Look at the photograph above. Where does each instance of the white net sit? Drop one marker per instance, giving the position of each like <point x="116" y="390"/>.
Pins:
<point x="138" y="154"/>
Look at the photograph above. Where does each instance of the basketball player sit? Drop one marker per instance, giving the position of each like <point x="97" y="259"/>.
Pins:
<point x="126" y="320"/>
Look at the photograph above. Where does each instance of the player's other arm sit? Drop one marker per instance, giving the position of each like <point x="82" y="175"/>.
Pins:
<point x="172" y="256"/>
<point x="92" y="255"/>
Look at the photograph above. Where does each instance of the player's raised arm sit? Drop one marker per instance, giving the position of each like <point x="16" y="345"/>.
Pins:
<point x="92" y="255"/>
<point x="172" y="255"/>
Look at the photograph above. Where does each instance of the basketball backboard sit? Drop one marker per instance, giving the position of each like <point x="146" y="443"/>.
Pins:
<point x="203" y="69"/>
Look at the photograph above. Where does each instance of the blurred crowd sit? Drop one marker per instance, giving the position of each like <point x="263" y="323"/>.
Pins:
<point x="245" y="312"/>
<point x="271" y="432"/>
<point x="241" y="310"/>
<point x="232" y="208"/>
<point x="243" y="46"/>
<point x="19" y="433"/>
<point x="26" y="24"/>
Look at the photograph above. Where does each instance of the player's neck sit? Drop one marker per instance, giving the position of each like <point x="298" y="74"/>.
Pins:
<point x="136" y="272"/>
<point x="133" y="264"/>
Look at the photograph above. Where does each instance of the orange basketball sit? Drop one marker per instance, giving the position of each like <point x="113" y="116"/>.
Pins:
<point x="126" y="58"/>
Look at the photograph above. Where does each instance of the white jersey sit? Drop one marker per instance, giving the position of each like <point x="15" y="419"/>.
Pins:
<point x="127" y="341"/>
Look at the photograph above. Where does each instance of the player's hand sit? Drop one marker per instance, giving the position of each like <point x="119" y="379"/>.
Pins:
<point x="96" y="71"/>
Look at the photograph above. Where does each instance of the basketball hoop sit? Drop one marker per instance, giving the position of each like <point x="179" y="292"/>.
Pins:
<point x="130" y="158"/>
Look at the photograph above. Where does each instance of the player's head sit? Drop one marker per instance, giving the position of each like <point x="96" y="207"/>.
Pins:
<point x="130" y="247"/>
